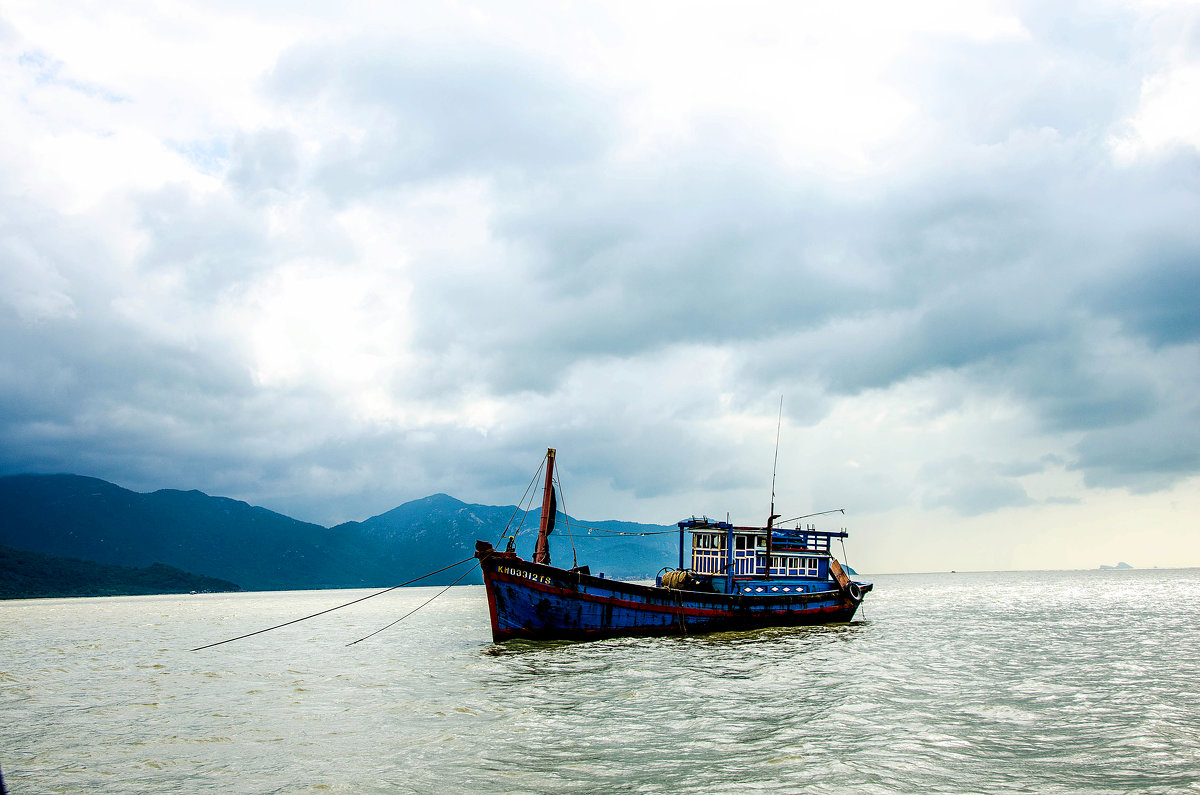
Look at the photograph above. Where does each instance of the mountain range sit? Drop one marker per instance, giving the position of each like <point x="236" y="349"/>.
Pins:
<point x="85" y="518"/>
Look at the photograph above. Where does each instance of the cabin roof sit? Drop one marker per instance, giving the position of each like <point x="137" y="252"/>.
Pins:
<point x="706" y="525"/>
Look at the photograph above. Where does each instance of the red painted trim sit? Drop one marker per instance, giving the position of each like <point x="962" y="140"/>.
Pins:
<point x="491" y="600"/>
<point x="648" y="607"/>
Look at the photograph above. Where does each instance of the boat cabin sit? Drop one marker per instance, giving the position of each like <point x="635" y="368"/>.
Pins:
<point x="738" y="555"/>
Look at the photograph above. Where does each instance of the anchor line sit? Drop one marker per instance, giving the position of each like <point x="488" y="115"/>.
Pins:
<point x="682" y="622"/>
<point x="846" y="557"/>
<point x="415" y="609"/>
<point x="339" y="607"/>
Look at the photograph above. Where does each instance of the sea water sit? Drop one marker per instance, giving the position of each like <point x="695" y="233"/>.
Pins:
<point x="997" y="682"/>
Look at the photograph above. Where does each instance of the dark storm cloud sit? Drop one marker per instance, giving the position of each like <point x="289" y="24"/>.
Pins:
<point x="1156" y="297"/>
<point x="114" y="377"/>
<point x="970" y="486"/>
<point x="1073" y="389"/>
<point x="1014" y="286"/>
<point x="1144" y="456"/>
<point x="1000" y="261"/>
<point x="624" y="260"/>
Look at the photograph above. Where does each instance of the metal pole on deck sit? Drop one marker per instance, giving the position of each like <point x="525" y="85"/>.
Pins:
<point x="681" y="545"/>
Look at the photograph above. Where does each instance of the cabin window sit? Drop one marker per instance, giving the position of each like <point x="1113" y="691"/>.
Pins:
<point x="743" y="555"/>
<point x="793" y="566"/>
<point x="709" y="551"/>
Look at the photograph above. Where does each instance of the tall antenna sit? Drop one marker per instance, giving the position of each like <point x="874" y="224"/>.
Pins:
<point x="771" y="519"/>
<point x="775" y="466"/>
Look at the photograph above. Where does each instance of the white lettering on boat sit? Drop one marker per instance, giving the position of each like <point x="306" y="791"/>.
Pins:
<point x="509" y="570"/>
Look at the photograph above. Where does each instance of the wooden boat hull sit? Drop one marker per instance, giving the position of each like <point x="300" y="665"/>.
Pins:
<point x="529" y="600"/>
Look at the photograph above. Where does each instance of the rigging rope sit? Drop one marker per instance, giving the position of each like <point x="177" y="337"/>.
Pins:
<point x="571" y="527"/>
<point x="625" y="533"/>
<point x="519" y="504"/>
<point x="810" y="515"/>
<point x="567" y="521"/>
<point x="339" y="607"/>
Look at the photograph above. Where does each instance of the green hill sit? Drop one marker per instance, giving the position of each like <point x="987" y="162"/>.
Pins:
<point x="26" y="575"/>
<point x="91" y="519"/>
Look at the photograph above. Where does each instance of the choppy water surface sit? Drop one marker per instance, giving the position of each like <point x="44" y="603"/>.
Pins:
<point x="1009" y="682"/>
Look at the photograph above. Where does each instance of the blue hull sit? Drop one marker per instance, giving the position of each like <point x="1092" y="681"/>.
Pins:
<point x="529" y="600"/>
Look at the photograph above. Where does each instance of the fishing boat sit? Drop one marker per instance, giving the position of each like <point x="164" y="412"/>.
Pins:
<point x="739" y="578"/>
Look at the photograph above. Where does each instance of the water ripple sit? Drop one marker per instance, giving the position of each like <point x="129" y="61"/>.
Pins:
<point x="1015" y="682"/>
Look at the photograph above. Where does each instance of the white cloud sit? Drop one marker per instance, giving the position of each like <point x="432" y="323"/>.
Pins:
<point x="1166" y="115"/>
<point x="334" y="260"/>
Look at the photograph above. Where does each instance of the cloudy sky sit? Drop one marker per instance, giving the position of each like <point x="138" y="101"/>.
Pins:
<point x="327" y="258"/>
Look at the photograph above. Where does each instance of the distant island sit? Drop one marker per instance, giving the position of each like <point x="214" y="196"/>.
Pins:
<point x="160" y="539"/>
<point x="1121" y="565"/>
<point x="25" y="575"/>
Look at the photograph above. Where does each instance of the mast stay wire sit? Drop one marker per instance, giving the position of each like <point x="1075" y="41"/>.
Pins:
<point x="520" y="503"/>
<point x="567" y="520"/>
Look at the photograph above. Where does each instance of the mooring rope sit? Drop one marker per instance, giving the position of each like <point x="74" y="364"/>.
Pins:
<point x="846" y="557"/>
<point x="339" y="607"/>
<point x="682" y="622"/>
<point x="415" y="609"/>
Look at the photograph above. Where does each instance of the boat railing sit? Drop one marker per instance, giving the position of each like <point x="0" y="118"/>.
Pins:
<point x="804" y="540"/>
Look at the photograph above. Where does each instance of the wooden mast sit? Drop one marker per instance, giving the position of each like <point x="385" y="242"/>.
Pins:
<point x="541" y="552"/>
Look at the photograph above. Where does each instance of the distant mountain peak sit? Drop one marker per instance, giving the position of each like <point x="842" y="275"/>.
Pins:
<point x="75" y="516"/>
